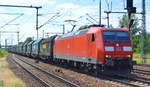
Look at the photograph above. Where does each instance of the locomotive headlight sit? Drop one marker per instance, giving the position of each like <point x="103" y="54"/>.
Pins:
<point x="129" y="56"/>
<point x="127" y="48"/>
<point x="109" y="48"/>
<point x="108" y="56"/>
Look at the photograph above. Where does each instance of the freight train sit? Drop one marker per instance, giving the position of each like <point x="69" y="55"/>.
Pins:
<point x="97" y="49"/>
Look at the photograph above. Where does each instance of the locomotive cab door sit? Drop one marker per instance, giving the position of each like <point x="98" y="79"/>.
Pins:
<point x="90" y="42"/>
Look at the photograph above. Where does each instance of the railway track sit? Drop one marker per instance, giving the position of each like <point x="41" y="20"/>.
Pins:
<point x="122" y="81"/>
<point x="46" y="78"/>
<point x="130" y="81"/>
<point x="145" y="65"/>
<point x="127" y="81"/>
<point x="143" y="72"/>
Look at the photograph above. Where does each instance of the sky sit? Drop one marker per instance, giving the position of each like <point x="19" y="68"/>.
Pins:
<point x="82" y="12"/>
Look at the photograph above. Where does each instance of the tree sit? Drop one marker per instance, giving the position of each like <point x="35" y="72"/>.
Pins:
<point x="20" y="43"/>
<point x="148" y="43"/>
<point x="83" y="27"/>
<point x="135" y="29"/>
<point x="29" y="39"/>
<point x="124" y="21"/>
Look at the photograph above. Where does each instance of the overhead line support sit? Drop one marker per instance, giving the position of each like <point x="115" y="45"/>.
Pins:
<point x="36" y="7"/>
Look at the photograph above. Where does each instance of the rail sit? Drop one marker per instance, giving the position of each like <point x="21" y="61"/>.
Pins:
<point x="60" y="79"/>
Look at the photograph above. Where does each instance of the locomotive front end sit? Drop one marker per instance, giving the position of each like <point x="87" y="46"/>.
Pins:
<point x="117" y="51"/>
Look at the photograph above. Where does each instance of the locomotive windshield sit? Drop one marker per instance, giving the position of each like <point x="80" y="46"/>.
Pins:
<point x="116" y="36"/>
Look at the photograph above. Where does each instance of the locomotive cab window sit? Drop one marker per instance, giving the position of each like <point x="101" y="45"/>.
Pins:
<point x="116" y="36"/>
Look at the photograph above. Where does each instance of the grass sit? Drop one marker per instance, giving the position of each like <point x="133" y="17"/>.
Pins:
<point x="1" y="84"/>
<point x="3" y="53"/>
<point x="18" y="85"/>
<point x="7" y="77"/>
<point x="139" y="60"/>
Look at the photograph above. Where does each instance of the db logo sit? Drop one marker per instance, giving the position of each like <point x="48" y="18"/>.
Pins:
<point x="118" y="48"/>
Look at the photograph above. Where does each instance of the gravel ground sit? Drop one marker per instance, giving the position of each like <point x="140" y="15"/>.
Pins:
<point x="20" y="73"/>
<point x="78" y="78"/>
<point x="142" y="68"/>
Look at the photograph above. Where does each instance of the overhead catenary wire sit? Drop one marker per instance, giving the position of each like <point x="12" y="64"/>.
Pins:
<point x="51" y="19"/>
<point x="12" y="13"/>
<point x="91" y="18"/>
<point x="107" y="3"/>
<point x="124" y="1"/>
<point x="11" y="21"/>
<point x="19" y="6"/>
<point x="90" y="21"/>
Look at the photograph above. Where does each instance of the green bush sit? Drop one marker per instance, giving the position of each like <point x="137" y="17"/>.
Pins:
<point x="3" y="53"/>
<point x="1" y="84"/>
<point x="139" y="60"/>
<point x="18" y="85"/>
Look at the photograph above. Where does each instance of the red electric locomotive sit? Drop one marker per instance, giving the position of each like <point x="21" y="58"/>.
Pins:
<point x="96" y="48"/>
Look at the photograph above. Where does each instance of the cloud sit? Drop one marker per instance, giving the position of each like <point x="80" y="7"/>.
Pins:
<point x="69" y="11"/>
<point x="77" y="9"/>
<point x="78" y="13"/>
<point x="25" y="2"/>
<point x="6" y="17"/>
<point x="68" y="6"/>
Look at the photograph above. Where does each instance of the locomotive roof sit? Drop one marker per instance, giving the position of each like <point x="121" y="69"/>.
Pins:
<point x="89" y="30"/>
<point x="80" y="32"/>
<point x="48" y="39"/>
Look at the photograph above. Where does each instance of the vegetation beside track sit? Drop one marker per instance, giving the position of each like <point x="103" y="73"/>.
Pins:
<point x="3" y="53"/>
<point x="139" y="60"/>
<point x="7" y="77"/>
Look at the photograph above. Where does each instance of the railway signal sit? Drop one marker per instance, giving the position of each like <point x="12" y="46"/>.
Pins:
<point x="130" y="10"/>
<point x="129" y="3"/>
